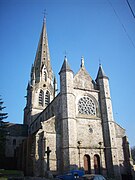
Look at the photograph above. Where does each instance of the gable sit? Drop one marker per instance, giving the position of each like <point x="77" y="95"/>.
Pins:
<point x="82" y="80"/>
<point x="120" y="132"/>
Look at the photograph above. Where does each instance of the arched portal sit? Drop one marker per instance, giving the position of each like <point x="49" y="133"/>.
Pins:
<point x="97" y="164"/>
<point x="87" y="165"/>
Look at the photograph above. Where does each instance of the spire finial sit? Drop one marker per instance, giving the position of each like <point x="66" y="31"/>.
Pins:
<point x="82" y="61"/>
<point x="65" y="58"/>
<point x="45" y="13"/>
<point x="99" y="62"/>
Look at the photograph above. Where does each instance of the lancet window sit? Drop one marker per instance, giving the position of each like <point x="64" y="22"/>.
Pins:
<point x="47" y="98"/>
<point x="41" y="98"/>
<point x="87" y="106"/>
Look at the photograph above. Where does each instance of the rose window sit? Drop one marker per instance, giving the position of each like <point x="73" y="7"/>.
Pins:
<point x="86" y="106"/>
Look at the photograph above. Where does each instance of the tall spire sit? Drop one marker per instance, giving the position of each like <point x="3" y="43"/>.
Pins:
<point x="43" y="55"/>
<point x="41" y="90"/>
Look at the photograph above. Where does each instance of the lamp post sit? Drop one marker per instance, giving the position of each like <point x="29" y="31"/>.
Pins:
<point x="79" y="143"/>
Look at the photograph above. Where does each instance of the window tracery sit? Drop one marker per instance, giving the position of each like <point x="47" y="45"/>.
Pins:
<point x="86" y="106"/>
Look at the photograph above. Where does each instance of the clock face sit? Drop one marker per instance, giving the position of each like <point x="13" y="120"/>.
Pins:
<point x="86" y="106"/>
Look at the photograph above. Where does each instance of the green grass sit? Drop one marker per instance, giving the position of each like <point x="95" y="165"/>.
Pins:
<point x="3" y="178"/>
<point x="9" y="173"/>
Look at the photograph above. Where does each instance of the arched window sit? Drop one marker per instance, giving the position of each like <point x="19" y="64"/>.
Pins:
<point x="86" y="106"/>
<point x="47" y="98"/>
<point x="41" y="98"/>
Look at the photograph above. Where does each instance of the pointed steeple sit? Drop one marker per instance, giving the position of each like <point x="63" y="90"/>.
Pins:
<point x="41" y="90"/>
<point x="65" y="66"/>
<point x="43" y="55"/>
<point x="101" y="74"/>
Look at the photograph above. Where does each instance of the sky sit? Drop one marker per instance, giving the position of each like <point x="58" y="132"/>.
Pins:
<point x="102" y="31"/>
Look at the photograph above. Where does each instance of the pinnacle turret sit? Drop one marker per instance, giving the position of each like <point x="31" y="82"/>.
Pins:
<point x="65" y="66"/>
<point x="101" y="73"/>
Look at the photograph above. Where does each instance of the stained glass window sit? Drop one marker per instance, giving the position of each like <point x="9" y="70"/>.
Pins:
<point x="86" y="106"/>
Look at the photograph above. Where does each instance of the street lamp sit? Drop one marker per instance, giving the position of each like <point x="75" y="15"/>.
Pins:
<point x="79" y="143"/>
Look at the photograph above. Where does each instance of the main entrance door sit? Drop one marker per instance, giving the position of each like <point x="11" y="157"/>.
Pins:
<point x="87" y="167"/>
<point x="97" y="164"/>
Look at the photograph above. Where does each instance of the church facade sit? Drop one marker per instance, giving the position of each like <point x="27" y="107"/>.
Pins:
<point x="75" y="128"/>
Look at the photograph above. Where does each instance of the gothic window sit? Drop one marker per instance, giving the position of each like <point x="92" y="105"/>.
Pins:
<point x="47" y="98"/>
<point x="41" y="97"/>
<point x="86" y="106"/>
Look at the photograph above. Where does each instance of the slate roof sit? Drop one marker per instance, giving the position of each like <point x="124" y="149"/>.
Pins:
<point x="65" y="66"/>
<point x="101" y="74"/>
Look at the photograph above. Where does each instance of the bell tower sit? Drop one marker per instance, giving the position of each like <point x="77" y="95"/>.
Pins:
<point x="42" y="84"/>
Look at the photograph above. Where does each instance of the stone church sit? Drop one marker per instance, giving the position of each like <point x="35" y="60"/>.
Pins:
<point x="74" y="128"/>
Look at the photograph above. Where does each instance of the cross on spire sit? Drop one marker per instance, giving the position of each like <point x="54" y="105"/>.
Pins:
<point x="65" y="53"/>
<point x="99" y="62"/>
<point x="45" y="14"/>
